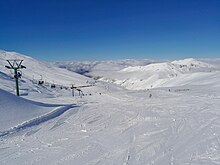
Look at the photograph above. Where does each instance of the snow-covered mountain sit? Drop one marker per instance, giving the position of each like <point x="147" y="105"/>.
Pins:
<point x="101" y="68"/>
<point x="139" y="75"/>
<point x="36" y="71"/>
<point x="161" y="74"/>
<point x="36" y="68"/>
<point x="176" y="121"/>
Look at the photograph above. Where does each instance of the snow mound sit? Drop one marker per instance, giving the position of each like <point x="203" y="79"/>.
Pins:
<point x="15" y="110"/>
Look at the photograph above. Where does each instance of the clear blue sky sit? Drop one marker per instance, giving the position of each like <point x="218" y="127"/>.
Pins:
<point x="111" y="29"/>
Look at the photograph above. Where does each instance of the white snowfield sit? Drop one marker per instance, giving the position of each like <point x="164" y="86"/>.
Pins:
<point x="170" y="117"/>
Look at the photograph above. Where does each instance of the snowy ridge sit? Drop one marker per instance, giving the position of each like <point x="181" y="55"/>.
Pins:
<point x="101" y="68"/>
<point x="158" y="74"/>
<point x="139" y="75"/>
<point x="180" y="66"/>
<point x="192" y="65"/>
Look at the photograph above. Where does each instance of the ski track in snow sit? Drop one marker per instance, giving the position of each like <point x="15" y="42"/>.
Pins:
<point x="36" y="121"/>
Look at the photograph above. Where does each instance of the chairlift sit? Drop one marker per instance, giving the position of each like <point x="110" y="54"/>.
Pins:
<point x="53" y="86"/>
<point x="40" y="82"/>
<point x="19" y="73"/>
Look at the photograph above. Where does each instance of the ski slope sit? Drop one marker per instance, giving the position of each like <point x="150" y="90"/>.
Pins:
<point x="37" y="70"/>
<point x="114" y="123"/>
<point x="18" y="113"/>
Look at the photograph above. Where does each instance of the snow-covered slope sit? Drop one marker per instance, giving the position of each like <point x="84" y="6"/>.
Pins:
<point x="38" y="69"/>
<point x="126" y="127"/>
<point x="139" y="75"/>
<point x="15" y="110"/>
<point x="18" y="112"/>
<point x="101" y="68"/>
<point x="110" y="124"/>
<point x="159" y="74"/>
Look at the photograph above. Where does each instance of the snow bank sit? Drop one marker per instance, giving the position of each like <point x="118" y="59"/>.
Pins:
<point x="15" y="110"/>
